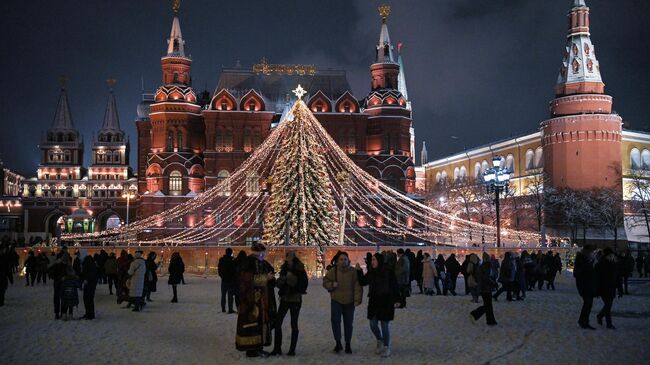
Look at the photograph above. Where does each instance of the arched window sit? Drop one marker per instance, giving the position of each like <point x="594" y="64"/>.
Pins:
<point x="463" y="172"/>
<point x="510" y="163"/>
<point x="530" y="156"/>
<point x="222" y="177"/>
<point x="175" y="183"/>
<point x="635" y="159"/>
<point x="484" y="166"/>
<point x="252" y="184"/>
<point x="443" y="177"/>
<point x="539" y="158"/>
<point x="170" y="141"/>
<point x="179" y="140"/>
<point x="116" y="157"/>
<point x="247" y="140"/>
<point x="456" y="173"/>
<point x="66" y="156"/>
<point x="438" y="177"/>
<point x="645" y="159"/>
<point x="477" y="170"/>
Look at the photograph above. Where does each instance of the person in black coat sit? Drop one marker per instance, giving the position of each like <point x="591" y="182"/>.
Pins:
<point x="453" y="269"/>
<point x="440" y="267"/>
<point x="608" y="279"/>
<point x="150" y="277"/>
<point x="292" y="284"/>
<point x="419" y="266"/>
<point x="176" y="269"/>
<point x="639" y="264"/>
<point x="5" y="270"/>
<point x="486" y="284"/>
<point x="383" y="298"/>
<point x="227" y="272"/>
<point x="89" y="275"/>
<point x="585" y="276"/>
<point x="31" y="266"/>
<point x="239" y="260"/>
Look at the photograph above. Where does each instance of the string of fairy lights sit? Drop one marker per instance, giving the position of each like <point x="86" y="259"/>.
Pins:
<point x="234" y="208"/>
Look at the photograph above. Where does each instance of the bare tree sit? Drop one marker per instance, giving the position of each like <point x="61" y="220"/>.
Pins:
<point x="608" y="206"/>
<point x="537" y="188"/>
<point x="462" y="197"/>
<point x="638" y="191"/>
<point x="571" y="208"/>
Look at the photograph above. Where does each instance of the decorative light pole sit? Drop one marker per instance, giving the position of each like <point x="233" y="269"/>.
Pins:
<point x="497" y="179"/>
<point x="128" y="195"/>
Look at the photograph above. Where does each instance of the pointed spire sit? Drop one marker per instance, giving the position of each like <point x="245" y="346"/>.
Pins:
<point x="63" y="117"/>
<point x="580" y="70"/>
<point x="175" y="43"/>
<point x="111" y="119"/>
<point x="401" y="78"/>
<point x="424" y="158"/>
<point x="384" y="47"/>
<point x="579" y="3"/>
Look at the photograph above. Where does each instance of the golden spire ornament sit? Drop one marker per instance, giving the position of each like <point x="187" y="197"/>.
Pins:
<point x="176" y="6"/>
<point x="111" y="83"/>
<point x="299" y="92"/>
<point x="384" y="11"/>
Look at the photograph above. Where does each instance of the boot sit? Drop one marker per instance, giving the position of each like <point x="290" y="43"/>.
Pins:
<point x="338" y="347"/>
<point x="348" y="348"/>
<point x="385" y="352"/>
<point x="294" y="341"/>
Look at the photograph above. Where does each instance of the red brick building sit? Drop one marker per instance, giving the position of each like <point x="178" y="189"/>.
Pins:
<point x="188" y="142"/>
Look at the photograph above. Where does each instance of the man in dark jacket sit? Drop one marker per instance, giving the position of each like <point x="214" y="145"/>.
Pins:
<point x="89" y="275"/>
<point x="403" y="275"/>
<point x="585" y="276"/>
<point x="227" y="271"/>
<point x="628" y="268"/>
<point x="485" y="285"/>
<point x="607" y="277"/>
<point x="31" y="266"/>
<point x="453" y="269"/>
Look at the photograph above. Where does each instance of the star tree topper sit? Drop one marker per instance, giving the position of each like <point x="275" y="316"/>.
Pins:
<point x="299" y="91"/>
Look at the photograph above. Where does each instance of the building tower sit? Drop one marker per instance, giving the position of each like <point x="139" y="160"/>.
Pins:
<point x="582" y="139"/>
<point x="389" y="121"/>
<point x="110" y="159"/>
<point x="174" y="162"/>
<point x="62" y="148"/>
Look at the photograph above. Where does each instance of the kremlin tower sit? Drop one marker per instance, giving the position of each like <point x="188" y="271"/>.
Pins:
<point x="389" y="121"/>
<point x="582" y="140"/>
<point x="174" y="127"/>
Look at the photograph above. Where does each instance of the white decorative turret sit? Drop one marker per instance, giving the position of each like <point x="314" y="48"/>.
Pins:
<point x="579" y="64"/>
<point x="401" y="78"/>
<point x="424" y="158"/>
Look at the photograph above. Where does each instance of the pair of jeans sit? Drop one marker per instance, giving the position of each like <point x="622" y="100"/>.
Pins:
<point x="384" y="334"/>
<point x="227" y="290"/>
<point x="587" y="303"/>
<point x="486" y="309"/>
<point x="294" y="310"/>
<point x="606" y="311"/>
<point x="347" y="312"/>
<point x="89" y="299"/>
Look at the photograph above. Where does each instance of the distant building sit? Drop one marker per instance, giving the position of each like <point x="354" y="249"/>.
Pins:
<point x="581" y="146"/>
<point x="65" y="196"/>
<point x="10" y="201"/>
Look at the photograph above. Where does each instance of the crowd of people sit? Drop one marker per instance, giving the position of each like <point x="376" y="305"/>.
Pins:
<point x="262" y="298"/>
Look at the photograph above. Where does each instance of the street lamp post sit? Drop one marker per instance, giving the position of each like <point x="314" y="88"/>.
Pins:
<point x="128" y="196"/>
<point x="496" y="180"/>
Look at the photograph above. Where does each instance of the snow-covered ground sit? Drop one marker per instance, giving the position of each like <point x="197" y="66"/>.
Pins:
<point x="433" y="330"/>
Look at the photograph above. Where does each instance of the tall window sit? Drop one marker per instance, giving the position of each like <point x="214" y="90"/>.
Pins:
<point x="247" y="141"/>
<point x="252" y="184"/>
<point x="223" y="177"/>
<point x="170" y="141"/>
<point x="179" y="140"/>
<point x="175" y="183"/>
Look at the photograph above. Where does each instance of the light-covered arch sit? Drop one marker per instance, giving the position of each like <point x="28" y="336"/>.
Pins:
<point x="645" y="159"/>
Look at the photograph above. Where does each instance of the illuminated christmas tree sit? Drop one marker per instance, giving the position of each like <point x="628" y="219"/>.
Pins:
<point x="301" y="208"/>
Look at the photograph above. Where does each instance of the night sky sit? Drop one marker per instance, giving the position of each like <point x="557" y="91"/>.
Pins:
<point x="476" y="71"/>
